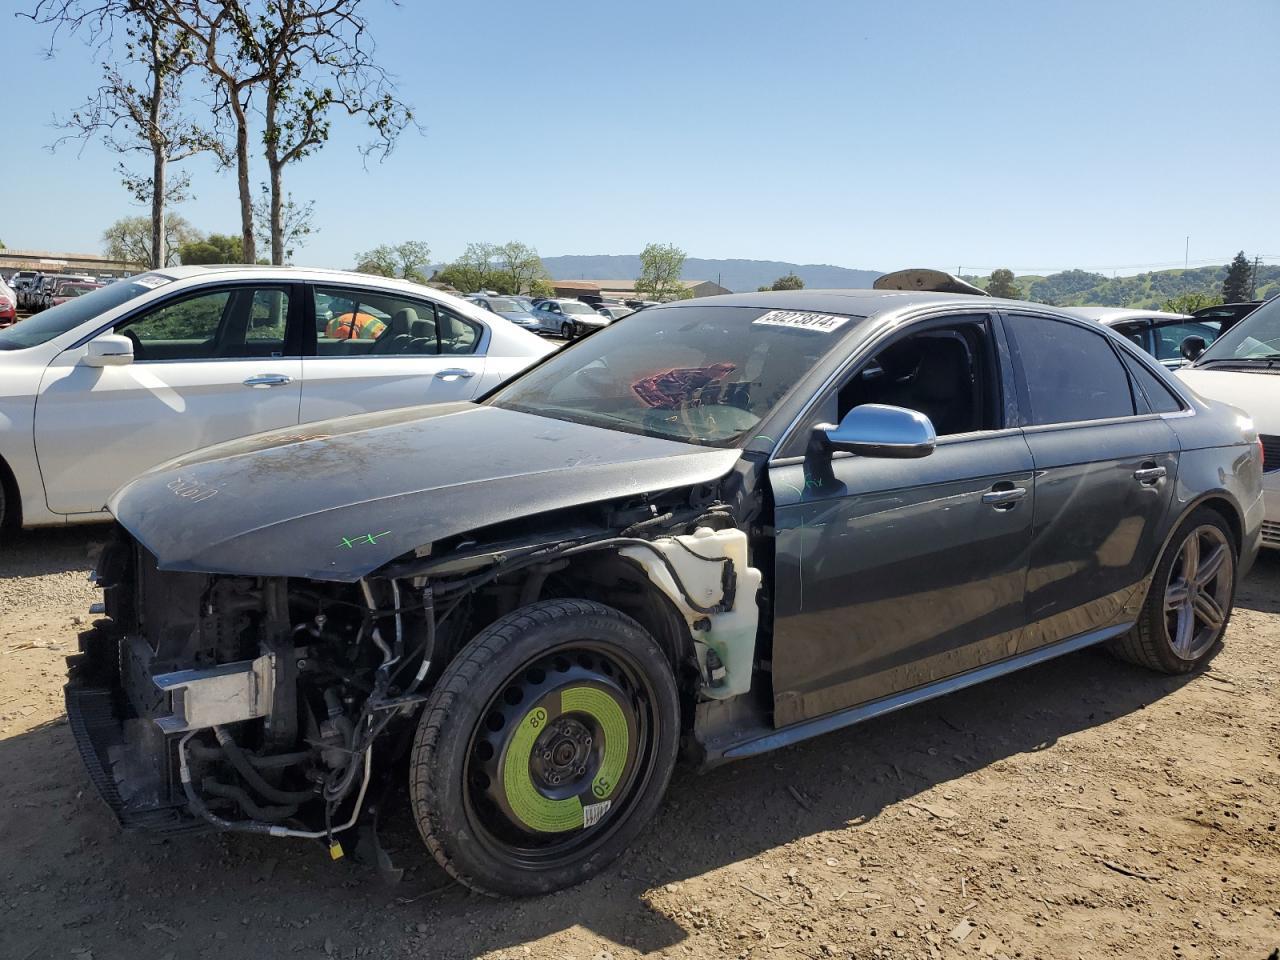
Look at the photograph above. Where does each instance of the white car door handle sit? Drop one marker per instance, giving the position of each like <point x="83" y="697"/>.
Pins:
<point x="455" y="373"/>
<point x="268" y="380"/>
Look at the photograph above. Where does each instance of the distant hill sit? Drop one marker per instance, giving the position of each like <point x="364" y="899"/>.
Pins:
<point x="1144" y="291"/>
<point x="737" y="275"/>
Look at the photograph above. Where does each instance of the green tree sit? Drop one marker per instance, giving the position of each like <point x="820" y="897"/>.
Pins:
<point x="1190" y="302"/>
<point x="475" y="270"/>
<point x="787" y="282"/>
<point x="1001" y="285"/>
<point x="661" y="265"/>
<point x="1235" y="287"/>
<point x="408" y="260"/>
<point x="541" y="287"/>
<point x="215" y="248"/>
<point x="129" y="239"/>
<point x="517" y="267"/>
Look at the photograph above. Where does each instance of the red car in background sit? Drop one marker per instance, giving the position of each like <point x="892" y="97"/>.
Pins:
<point x="8" y="306"/>
<point x="65" y="290"/>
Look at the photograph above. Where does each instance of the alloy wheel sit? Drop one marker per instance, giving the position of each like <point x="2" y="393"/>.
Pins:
<point x="1198" y="594"/>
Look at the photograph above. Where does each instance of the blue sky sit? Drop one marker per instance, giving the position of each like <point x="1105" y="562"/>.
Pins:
<point x="876" y="135"/>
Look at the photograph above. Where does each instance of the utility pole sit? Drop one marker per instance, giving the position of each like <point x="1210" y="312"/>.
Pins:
<point x="1186" y="254"/>
<point x="1253" y="280"/>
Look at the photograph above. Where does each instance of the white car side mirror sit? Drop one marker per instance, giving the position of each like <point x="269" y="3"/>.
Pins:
<point x="109" y="350"/>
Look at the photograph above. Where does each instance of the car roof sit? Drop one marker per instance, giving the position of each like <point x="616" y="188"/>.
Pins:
<point x="1110" y="315"/>
<point x="863" y="303"/>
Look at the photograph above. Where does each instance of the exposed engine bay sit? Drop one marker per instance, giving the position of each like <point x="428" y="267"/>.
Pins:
<point x="281" y="705"/>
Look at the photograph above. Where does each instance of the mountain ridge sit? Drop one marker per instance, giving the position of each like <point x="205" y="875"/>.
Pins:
<point x="738" y="275"/>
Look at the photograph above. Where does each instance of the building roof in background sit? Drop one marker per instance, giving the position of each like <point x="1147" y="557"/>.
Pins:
<point x="53" y="262"/>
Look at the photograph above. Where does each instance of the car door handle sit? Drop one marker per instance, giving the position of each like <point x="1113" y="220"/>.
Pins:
<point x="455" y="373"/>
<point x="1004" y="496"/>
<point x="1150" y="475"/>
<point x="268" y="380"/>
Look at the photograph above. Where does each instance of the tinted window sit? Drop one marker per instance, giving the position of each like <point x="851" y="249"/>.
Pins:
<point x="1071" y="373"/>
<point x="1160" y="398"/>
<point x="698" y="374"/>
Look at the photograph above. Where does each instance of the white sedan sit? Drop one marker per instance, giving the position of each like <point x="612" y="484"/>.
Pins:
<point x="105" y="386"/>
<point x="1242" y="368"/>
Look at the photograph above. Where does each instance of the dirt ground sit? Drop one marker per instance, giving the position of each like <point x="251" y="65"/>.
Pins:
<point x="1081" y="809"/>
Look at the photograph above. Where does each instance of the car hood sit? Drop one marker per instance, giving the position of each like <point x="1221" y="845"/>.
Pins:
<point x="1257" y="394"/>
<point x="337" y="499"/>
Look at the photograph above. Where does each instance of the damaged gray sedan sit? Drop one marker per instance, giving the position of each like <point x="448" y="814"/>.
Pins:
<point x="721" y="526"/>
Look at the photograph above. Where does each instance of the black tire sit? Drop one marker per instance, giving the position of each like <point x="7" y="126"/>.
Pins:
<point x="1160" y="640"/>
<point x="566" y="330"/>
<point x="503" y="758"/>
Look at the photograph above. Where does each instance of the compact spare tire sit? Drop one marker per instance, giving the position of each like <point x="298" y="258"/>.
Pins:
<point x="545" y="747"/>
<point x="1189" y="602"/>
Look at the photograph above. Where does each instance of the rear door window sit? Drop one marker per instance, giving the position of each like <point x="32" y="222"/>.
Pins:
<point x="1070" y="373"/>
<point x="352" y="323"/>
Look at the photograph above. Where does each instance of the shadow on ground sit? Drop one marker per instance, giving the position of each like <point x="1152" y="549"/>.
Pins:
<point x="51" y="550"/>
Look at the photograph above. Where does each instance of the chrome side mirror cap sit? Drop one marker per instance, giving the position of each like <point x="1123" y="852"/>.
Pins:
<point x="880" y="430"/>
<point x="108" y="350"/>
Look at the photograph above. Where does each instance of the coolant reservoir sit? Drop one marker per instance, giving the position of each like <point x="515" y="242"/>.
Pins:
<point x="697" y="559"/>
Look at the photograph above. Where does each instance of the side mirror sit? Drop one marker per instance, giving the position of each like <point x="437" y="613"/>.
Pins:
<point x="109" y="350"/>
<point x="1192" y="347"/>
<point x="879" y="430"/>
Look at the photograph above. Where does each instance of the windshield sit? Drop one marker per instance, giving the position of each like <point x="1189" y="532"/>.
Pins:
<point x="705" y="375"/>
<point x="1256" y="337"/>
<point x="576" y="306"/>
<point x="505" y="306"/>
<point x="50" y="323"/>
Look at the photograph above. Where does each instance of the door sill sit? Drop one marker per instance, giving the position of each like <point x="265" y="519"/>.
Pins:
<point x="754" y="745"/>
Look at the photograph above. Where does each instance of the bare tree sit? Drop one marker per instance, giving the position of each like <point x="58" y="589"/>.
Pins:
<point x="291" y="225"/>
<point x="129" y="116"/>
<point x="214" y="30"/>
<point x="317" y="57"/>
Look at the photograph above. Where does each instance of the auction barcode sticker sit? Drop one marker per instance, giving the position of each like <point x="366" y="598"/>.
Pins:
<point x="822" y="322"/>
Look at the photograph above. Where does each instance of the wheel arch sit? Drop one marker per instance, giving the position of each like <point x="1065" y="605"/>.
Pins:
<point x="1222" y="503"/>
<point x="11" y="516"/>
<point x="620" y="583"/>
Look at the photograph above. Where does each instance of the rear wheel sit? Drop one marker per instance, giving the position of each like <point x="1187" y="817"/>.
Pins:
<point x="1189" y="602"/>
<point x="545" y="748"/>
<point x="566" y="330"/>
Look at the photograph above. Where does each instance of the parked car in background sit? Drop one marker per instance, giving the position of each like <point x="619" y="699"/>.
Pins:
<point x="614" y="312"/>
<point x="108" y="384"/>
<point x="1159" y="334"/>
<point x="67" y="289"/>
<point x="8" y="305"/>
<point x="568" y="318"/>
<point x="509" y="309"/>
<point x="726" y="525"/>
<point x="641" y="304"/>
<point x="28" y="288"/>
<point x="1227" y="315"/>
<point x="1242" y="367"/>
<point x="526" y="303"/>
<point x="22" y="279"/>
